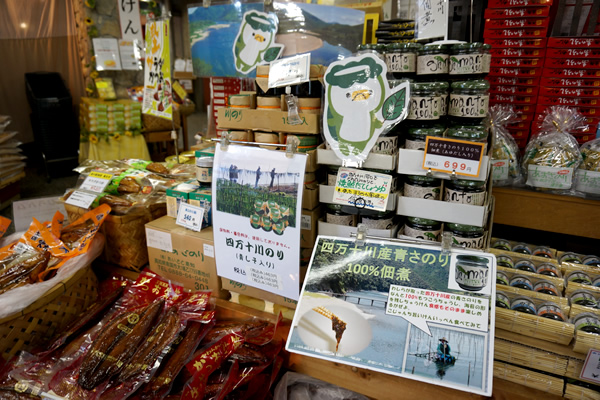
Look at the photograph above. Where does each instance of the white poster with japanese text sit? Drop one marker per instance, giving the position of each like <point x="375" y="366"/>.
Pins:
<point x="129" y="17"/>
<point x="158" y="98"/>
<point x="402" y="309"/>
<point x="257" y="203"/>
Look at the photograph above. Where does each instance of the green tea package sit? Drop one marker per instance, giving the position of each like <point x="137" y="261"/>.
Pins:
<point x="505" y="153"/>
<point x="552" y="156"/>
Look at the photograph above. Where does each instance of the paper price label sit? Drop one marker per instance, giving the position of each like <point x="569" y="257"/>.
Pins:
<point x="81" y="199"/>
<point x="449" y="155"/>
<point x="362" y="189"/>
<point x="190" y="216"/>
<point x="96" y="182"/>
<point x="591" y="367"/>
<point x="500" y="169"/>
<point x="289" y="71"/>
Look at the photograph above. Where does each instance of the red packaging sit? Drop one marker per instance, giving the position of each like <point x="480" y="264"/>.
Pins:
<point x="570" y="73"/>
<point x="591" y="112"/>
<point x="512" y="90"/>
<point x="583" y="138"/>
<point x="569" y="101"/>
<point x="526" y="117"/>
<point x="589" y="120"/>
<point x="511" y="99"/>
<point x="569" y="82"/>
<point x="516" y="23"/>
<point x="522" y="143"/>
<point x="516" y="12"/>
<point x="574" y="42"/>
<point x="520" y="108"/>
<point x="571" y="63"/>
<point x="569" y="91"/>
<point x="515" y="33"/>
<point x="516" y="62"/>
<point x="519" y="133"/>
<point x="572" y="53"/>
<point x="520" y="43"/>
<point x="516" y="52"/>
<point x="518" y="3"/>
<point x="512" y="81"/>
<point x="521" y="125"/>
<point x="516" y="72"/>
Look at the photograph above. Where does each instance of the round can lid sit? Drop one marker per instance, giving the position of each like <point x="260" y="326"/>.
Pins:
<point x="465" y="228"/>
<point x="205" y="161"/>
<point x="467" y="46"/>
<point x="422" y="221"/>
<point x="479" y="84"/>
<point x="404" y="46"/>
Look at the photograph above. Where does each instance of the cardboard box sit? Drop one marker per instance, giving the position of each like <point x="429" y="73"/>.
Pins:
<point x="570" y="73"/>
<point x="521" y="12"/>
<point x="574" y="42"/>
<point x="266" y="120"/>
<point x="569" y="101"/>
<point x="515" y="33"/>
<point x="516" y="72"/>
<point x="327" y="192"/>
<point x="539" y="43"/>
<point x="516" y="52"/>
<point x="500" y="23"/>
<point x="515" y="90"/>
<point x="516" y="62"/>
<point x="510" y="99"/>
<point x="571" y="63"/>
<point x="570" y="91"/>
<point x="517" y="3"/>
<point x="507" y="80"/>
<point x="573" y="53"/>
<point x="184" y="256"/>
<point x="591" y="112"/>
<point x="250" y="291"/>
<point x="308" y="227"/>
<point x="310" y="196"/>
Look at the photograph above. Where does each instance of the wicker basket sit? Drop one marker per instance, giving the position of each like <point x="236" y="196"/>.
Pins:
<point x="49" y="315"/>
<point x="152" y="123"/>
<point x="125" y="243"/>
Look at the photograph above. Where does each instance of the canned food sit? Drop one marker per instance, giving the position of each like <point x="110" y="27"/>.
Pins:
<point x="502" y="300"/>
<point x="501" y="278"/>
<point x="523" y="304"/>
<point x="542" y="251"/>
<point x="522" y="248"/>
<point x="505" y="261"/>
<point x="525" y="265"/>
<point x="579" y="277"/>
<point x="594" y="261"/>
<point x="571" y="258"/>
<point x="550" y="310"/>
<point x="502" y="244"/>
<point x="548" y="269"/>
<point x="587" y="322"/>
<point x="521" y="282"/>
<point x="583" y="298"/>
<point x="546" y="287"/>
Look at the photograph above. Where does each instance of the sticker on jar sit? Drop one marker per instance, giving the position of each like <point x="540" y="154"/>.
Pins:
<point x="419" y="192"/>
<point x="432" y="64"/>
<point x="587" y="181"/>
<point x="414" y="144"/>
<point x="549" y="177"/>
<point x="500" y="169"/>
<point x="373" y="223"/>
<point x="401" y="62"/>
<point x="462" y="197"/>
<point x="424" y="108"/>
<point x="469" y="243"/>
<point x="466" y="64"/>
<point x="444" y="103"/>
<point x="468" y="106"/>
<point x="421" y="234"/>
<point x="346" y="220"/>
<point x="386" y="145"/>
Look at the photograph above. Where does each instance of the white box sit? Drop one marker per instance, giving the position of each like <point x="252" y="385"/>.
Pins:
<point x="326" y="193"/>
<point x="410" y="162"/>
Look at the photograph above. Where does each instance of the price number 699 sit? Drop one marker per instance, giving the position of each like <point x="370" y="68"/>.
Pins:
<point x="455" y="166"/>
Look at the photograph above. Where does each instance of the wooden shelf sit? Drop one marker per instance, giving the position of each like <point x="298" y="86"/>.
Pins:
<point x="547" y="212"/>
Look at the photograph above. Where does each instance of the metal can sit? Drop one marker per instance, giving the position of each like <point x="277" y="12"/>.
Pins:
<point x="502" y="300"/>
<point x="505" y="261"/>
<point x="465" y="191"/>
<point x="546" y="287"/>
<point x="422" y="187"/>
<point x="550" y="310"/>
<point x="587" y="322"/>
<point x="522" y="248"/>
<point x="583" y="298"/>
<point x="579" y="277"/>
<point x="525" y="265"/>
<point x="523" y="304"/>
<point x="542" y="251"/>
<point x="521" y="282"/>
<point x="571" y="258"/>
<point x="501" y="278"/>
<point x="548" y="269"/>
<point x="422" y="228"/>
<point x="501" y="244"/>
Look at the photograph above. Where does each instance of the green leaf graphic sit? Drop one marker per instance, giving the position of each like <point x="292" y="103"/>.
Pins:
<point x="394" y="105"/>
<point x="272" y="53"/>
<point x="454" y="59"/>
<point x="438" y="58"/>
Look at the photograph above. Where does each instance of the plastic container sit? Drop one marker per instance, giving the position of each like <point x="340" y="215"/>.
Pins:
<point x="550" y="310"/>
<point x="546" y="287"/>
<point x="502" y="300"/>
<point x="505" y="261"/>
<point x="525" y="265"/>
<point x="587" y="322"/>
<point x="542" y="251"/>
<point x="571" y="258"/>
<point x="521" y="282"/>
<point x="548" y="269"/>
<point x="422" y="228"/>
<point x="422" y="187"/>
<point x="584" y="298"/>
<point x="591" y="260"/>
<point x="465" y="192"/>
<point x="502" y="278"/>
<point x="502" y="244"/>
<point x="522" y="248"/>
<point x="579" y="277"/>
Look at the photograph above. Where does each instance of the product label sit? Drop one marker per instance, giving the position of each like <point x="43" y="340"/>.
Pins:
<point x="347" y="220"/>
<point x="469" y="243"/>
<point x="306" y="222"/>
<point x="432" y="64"/>
<point x="487" y="62"/>
<point x="588" y="181"/>
<point x="96" y="182"/>
<point x="549" y="177"/>
<point x="424" y="108"/>
<point x="386" y="145"/>
<point x="81" y="199"/>
<point x="204" y="174"/>
<point x="159" y="240"/>
<point x="500" y="169"/>
<point x="421" y="234"/>
<point x="364" y="189"/>
<point x="386" y="223"/>
<point x="401" y="62"/>
<point x="331" y="178"/>
<point x="414" y="144"/>
<point x="420" y="192"/>
<point x="462" y="197"/>
<point x="468" y="106"/>
<point x="466" y="64"/>
<point x="209" y="250"/>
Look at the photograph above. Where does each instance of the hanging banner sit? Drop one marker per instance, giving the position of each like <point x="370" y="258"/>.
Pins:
<point x="129" y="17"/>
<point x="256" y="217"/>
<point x="157" y="72"/>
<point x="401" y="309"/>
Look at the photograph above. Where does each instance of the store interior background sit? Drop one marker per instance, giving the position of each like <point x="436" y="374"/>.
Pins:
<point x="45" y="35"/>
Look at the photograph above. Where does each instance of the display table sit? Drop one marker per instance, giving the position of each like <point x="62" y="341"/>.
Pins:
<point x="547" y="212"/>
<point x="125" y="147"/>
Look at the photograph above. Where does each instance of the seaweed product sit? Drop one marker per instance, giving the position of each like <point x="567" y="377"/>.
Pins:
<point x="501" y="244"/>
<point x="471" y="272"/>
<point x="550" y="310"/>
<point x="546" y="287"/>
<point x="521" y="282"/>
<point x="583" y="298"/>
<point x="522" y="248"/>
<point x="525" y="265"/>
<point x="501" y="278"/>
<point x="423" y="228"/>
<point x="422" y="187"/>
<point x="505" y="261"/>
<point x="548" y="269"/>
<point x="542" y="251"/>
<point x="587" y="322"/>
<point x="579" y="277"/>
<point x="523" y="304"/>
<point x="502" y="300"/>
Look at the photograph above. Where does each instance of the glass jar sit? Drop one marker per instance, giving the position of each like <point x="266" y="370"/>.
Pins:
<point x="546" y="287"/>
<point x="442" y="90"/>
<point x="471" y="237"/>
<point x="521" y="282"/>
<point x="465" y="191"/>
<point x="466" y="61"/>
<point x="477" y="134"/>
<point x="337" y="214"/>
<point x="471" y="272"/>
<point x="501" y="244"/>
<point x="579" y="277"/>
<point x="502" y="278"/>
<point x="571" y="258"/>
<point x="416" y="135"/>
<point x="387" y="143"/>
<point x="370" y="48"/>
<point x="425" y="102"/>
<point x="422" y="187"/>
<point x="591" y="260"/>
<point x="332" y="172"/>
<point x="505" y="261"/>
<point x="486" y="50"/>
<point x="432" y="61"/>
<point x="378" y="220"/>
<point x="583" y="298"/>
<point x="469" y="102"/>
<point x="502" y="300"/>
<point x="401" y="59"/>
<point x="548" y="270"/>
<point x="422" y="228"/>
<point x="522" y="248"/>
<point x="525" y="265"/>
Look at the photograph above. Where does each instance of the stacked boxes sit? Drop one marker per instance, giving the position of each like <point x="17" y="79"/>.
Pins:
<point x="222" y="88"/>
<point x="516" y="30"/>
<point x="100" y="116"/>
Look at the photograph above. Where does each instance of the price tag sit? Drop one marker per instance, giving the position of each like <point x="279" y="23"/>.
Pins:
<point x="449" y="155"/>
<point x="289" y="71"/>
<point x="500" y="169"/>
<point x="362" y="189"/>
<point x="190" y="216"/>
<point x="591" y="367"/>
<point x="81" y="199"/>
<point x="96" y="182"/>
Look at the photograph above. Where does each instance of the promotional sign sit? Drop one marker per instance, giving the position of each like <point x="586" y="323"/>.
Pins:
<point x="359" y="105"/>
<point x="157" y="72"/>
<point x="129" y="17"/>
<point x="449" y="155"/>
<point x="257" y="217"/>
<point x="106" y="52"/>
<point x="362" y="189"/>
<point x="432" y="19"/>
<point x="591" y="368"/>
<point x="255" y="41"/>
<point x="96" y="182"/>
<point x="402" y="309"/>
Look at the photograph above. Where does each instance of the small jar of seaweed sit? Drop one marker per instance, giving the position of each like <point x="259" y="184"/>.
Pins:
<point x="475" y="133"/>
<point x="422" y="187"/>
<point x="416" y="136"/>
<point x="378" y="220"/>
<point x="523" y="304"/>
<point x="465" y="191"/>
<point x="338" y="215"/>
<point x="583" y="298"/>
<point x="466" y="61"/>
<point x="469" y="102"/>
<point x="505" y="261"/>
<point x="550" y="310"/>
<point x="423" y="228"/>
<point x="468" y="236"/>
<point x="425" y="102"/>
<point x="432" y="62"/>
<point x="401" y="59"/>
<point x="502" y="300"/>
<point x="501" y="244"/>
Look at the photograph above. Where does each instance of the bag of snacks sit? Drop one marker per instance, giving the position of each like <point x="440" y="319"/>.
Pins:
<point x="552" y="156"/>
<point x="587" y="176"/>
<point x="505" y="153"/>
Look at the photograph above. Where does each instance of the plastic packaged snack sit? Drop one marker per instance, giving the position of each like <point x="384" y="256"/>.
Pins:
<point x="505" y="153"/>
<point x="587" y="176"/>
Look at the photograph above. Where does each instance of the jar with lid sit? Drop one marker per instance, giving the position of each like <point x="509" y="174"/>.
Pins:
<point x="417" y="135"/>
<point x="466" y="61"/>
<point x="370" y="48"/>
<point x="486" y="50"/>
<point x="469" y="102"/>
<point x="477" y="134"/>
<point x="432" y="62"/>
<point x="465" y="191"/>
<point x="425" y="102"/>
<point x="422" y="187"/>
<point x="423" y="228"/>
<point x="339" y="215"/>
<point x="471" y="237"/>
<point x="332" y="172"/>
<point x="401" y="59"/>
<point x="388" y="142"/>
<point x="378" y="220"/>
<point x="442" y="90"/>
